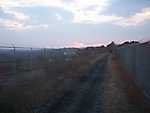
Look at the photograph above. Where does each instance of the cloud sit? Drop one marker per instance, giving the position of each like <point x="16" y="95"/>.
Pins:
<point x="18" y="26"/>
<point x="31" y="3"/>
<point x="95" y="19"/>
<point x="18" y="21"/>
<point x="76" y="7"/>
<point x="136" y="19"/>
<point x="87" y="10"/>
<point x="78" y="44"/>
<point x="59" y="17"/>
<point x="11" y="24"/>
<point x="83" y="11"/>
<point x="15" y="14"/>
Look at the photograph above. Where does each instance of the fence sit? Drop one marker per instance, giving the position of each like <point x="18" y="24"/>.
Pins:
<point x="136" y="59"/>
<point x="17" y="59"/>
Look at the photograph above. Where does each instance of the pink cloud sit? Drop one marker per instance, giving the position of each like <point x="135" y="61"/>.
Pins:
<point x="78" y="44"/>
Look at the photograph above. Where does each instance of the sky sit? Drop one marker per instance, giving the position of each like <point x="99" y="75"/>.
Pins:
<point x="73" y="23"/>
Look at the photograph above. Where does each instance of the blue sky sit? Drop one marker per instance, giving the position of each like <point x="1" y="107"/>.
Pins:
<point x="77" y="23"/>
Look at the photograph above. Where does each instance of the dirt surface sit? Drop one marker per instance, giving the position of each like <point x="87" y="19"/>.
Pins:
<point x="100" y="91"/>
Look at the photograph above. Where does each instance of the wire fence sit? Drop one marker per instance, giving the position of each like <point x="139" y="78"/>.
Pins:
<point x="17" y="59"/>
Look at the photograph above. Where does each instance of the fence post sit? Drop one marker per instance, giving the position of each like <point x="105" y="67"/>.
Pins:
<point x="136" y="47"/>
<point x="135" y="59"/>
<point x="45" y="55"/>
<point x="14" y="58"/>
<point x="31" y="58"/>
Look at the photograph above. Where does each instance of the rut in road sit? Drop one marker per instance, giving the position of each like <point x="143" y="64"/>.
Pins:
<point x="84" y="99"/>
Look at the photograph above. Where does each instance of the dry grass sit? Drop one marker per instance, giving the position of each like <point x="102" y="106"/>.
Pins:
<point x="28" y="89"/>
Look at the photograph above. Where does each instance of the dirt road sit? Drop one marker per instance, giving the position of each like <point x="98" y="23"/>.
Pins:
<point x="99" y="91"/>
